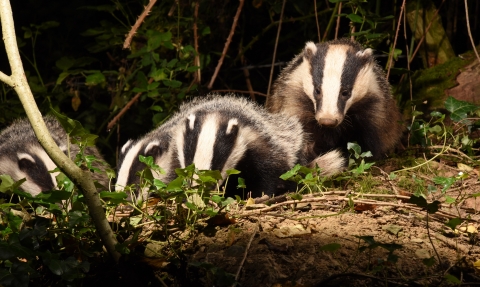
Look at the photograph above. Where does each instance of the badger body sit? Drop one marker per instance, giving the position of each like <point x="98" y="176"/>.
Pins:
<point x="221" y="133"/>
<point x="340" y="95"/>
<point x="22" y="156"/>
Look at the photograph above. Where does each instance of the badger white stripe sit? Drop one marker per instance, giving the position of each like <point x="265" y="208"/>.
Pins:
<point x="40" y="152"/>
<point x="26" y="156"/>
<point x="127" y="163"/>
<point x="206" y="142"/>
<point x="302" y="78"/>
<point x="191" y="121"/>
<point x="245" y="136"/>
<point x="231" y="123"/>
<point x="331" y="83"/>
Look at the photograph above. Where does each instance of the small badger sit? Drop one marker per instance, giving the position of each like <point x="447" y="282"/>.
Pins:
<point x="22" y="156"/>
<point x="340" y="94"/>
<point x="221" y="133"/>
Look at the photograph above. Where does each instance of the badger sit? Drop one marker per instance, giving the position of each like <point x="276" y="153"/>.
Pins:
<point x="221" y="133"/>
<point x="22" y="156"/>
<point x="340" y="95"/>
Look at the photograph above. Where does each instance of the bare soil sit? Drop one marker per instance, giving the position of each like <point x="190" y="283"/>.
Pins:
<point x="360" y="236"/>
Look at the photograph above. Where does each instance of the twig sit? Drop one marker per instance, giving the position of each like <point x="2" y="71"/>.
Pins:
<point x="425" y="33"/>
<point x="227" y="44"/>
<point x="240" y="91"/>
<point x="135" y="27"/>
<point x="198" y="73"/>
<point x="316" y="20"/>
<point x="452" y="149"/>
<point x="246" y="73"/>
<point x="246" y="252"/>
<point x="390" y="56"/>
<point x="451" y="243"/>
<point x="125" y="108"/>
<point x="388" y="179"/>
<point x="338" y="20"/>
<point x="275" y="48"/>
<point x="470" y="32"/>
<point x="335" y="276"/>
<point x="330" y="21"/>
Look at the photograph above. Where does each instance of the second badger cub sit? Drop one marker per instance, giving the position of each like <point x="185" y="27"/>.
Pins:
<point x="221" y="133"/>
<point x="340" y="94"/>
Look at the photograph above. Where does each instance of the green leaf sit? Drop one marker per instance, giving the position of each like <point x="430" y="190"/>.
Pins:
<point x="459" y="109"/>
<point x="95" y="79"/>
<point x="289" y="174"/>
<point x="429" y="262"/>
<point x="62" y="77"/>
<point x="454" y="222"/>
<point x="232" y="171"/>
<point x="355" y="18"/>
<point x="241" y="183"/>
<point x="175" y="185"/>
<point x="452" y="279"/>
<point x="446" y="182"/>
<point x="418" y="201"/>
<point x="72" y="127"/>
<point x="172" y="83"/>
<point x="205" y="31"/>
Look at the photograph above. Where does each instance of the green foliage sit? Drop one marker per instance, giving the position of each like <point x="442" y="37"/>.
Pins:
<point x="64" y="245"/>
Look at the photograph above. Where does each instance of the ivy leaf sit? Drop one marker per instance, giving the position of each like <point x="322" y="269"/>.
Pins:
<point x="458" y="109"/>
<point x="452" y="223"/>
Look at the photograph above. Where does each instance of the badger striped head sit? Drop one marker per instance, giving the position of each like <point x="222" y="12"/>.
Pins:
<point x="33" y="164"/>
<point x="336" y="75"/>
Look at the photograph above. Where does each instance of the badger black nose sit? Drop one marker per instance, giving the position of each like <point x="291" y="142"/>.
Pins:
<point x="325" y="122"/>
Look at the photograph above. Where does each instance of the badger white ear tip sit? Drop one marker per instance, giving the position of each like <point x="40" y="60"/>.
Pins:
<point x="366" y="52"/>
<point x="311" y="46"/>
<point x="151" y="145"/>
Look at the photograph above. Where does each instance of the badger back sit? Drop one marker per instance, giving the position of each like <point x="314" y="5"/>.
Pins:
<point x="340" y="94"/>
<point x="220" y="133"/>
<point x="22" y="156"/>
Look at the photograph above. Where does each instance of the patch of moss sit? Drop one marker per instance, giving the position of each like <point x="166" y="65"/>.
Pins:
<point x="429" y="85"/>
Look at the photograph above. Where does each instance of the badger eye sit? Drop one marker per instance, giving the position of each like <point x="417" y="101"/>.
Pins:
<point x="345" y="93"/>
<point x="317" y="91"/>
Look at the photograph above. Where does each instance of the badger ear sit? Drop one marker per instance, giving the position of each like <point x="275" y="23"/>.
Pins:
<point x="309" y="50"/>
<point x="365" y="53"/>
<point x="156" y="149"/>
<point x="125" y="146"/>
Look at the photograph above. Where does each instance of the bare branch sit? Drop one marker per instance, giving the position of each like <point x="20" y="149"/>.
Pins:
<point x="227" y="44"/>
<point x="275" y="48"/>
<point x="470" y="32"/>
<point x="139" y="21"/>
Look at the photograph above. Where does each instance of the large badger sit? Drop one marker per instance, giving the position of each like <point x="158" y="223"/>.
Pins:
<point x="221" y="133"/>
<point x="340" y="94"/>
<point x="22" y="156"/>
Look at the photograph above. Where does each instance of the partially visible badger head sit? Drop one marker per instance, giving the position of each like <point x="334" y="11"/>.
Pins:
<point x="129" y="164"/>
<point x="336" y="75"/>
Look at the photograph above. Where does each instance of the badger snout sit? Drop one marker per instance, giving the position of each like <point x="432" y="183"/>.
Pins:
<point x="328" y="122"/>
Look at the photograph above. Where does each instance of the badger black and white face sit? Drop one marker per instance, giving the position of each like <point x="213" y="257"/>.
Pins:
<point x="33" y="164"/>
<point x="336" y="75"/>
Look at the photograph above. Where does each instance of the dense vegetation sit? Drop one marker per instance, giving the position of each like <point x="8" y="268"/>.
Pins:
<point x="76" y="64"/>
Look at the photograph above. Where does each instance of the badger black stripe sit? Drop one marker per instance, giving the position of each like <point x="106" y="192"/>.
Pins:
<point x="317" y="66"/>
<point x="223" y="146"/>
<point x="191" y="138"/>
<point x="352" y="66"/>
<point x="37" y="171"/>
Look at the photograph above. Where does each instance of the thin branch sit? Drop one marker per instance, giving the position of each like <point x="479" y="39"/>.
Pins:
<point x="246" y="252"/>
<point x="470" y="32"/>
<point x="125" y="108"/>
<point x="399" y="23"/>
<point x="275" y="48"/>
<point x="246" y="73"/>
<point x="141" y="18"/>
<point x="198" y="73"/>
<point x="338" y="20"/>
<point x="316" y="20"/>
<point x="227" y="44"/>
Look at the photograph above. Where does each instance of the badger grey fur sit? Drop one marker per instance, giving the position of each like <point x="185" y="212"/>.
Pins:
<point x="340" y="94"/>
<point x="222" y="133"/>
<point x="22" y="156"/>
